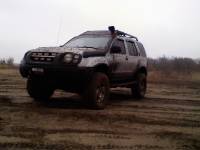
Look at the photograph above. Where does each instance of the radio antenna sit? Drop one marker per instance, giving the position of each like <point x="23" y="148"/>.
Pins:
<point x="59" y="30"/>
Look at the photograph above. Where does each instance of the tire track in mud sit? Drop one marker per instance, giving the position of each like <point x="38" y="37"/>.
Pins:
<point x="183" y="140"/>
<point x="44" y="146"/>
<point x="182" y="102"/>
<point x="66" y="123"/>
<point x="73" y="146"/>
<point x="114" y="117"/>
<point x="38" y="134"/>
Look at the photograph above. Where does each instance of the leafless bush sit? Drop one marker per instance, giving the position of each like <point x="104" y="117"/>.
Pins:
<point x="9" y="61"/>
<point x="175" y="64"/>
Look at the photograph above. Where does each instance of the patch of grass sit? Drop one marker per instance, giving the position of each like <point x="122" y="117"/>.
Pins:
<point x="9" y="70"/>
<point x="173" y="77"/>
<point x="6" y="66"/>
<point x="196" y="76"/>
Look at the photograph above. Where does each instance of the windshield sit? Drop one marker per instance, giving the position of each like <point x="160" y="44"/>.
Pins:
<point x="88" y="42"/>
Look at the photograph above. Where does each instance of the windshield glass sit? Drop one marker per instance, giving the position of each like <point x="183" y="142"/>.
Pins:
<point x="88" y="42"/>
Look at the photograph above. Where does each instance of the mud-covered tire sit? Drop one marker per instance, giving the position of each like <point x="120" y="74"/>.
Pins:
<point x="39" y="89"/>
<point x="97" y="91"/>
<point x="139" y="88"/>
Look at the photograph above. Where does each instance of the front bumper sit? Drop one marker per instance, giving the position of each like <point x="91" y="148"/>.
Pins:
<point x="62" y="76"/>
<point x="54" y="70"/>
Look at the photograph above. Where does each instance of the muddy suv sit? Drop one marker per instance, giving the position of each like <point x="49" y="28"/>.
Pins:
<point x="88" y="64"/>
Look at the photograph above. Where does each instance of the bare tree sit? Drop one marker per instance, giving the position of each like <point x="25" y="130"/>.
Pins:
<point x="9" y="61"/>
<point x="174" y="64"/>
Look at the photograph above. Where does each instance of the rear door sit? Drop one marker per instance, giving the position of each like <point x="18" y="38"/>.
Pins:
<point x="133" y="57"/>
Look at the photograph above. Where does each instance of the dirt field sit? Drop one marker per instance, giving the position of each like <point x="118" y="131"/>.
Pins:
<point x="167" y="119"/>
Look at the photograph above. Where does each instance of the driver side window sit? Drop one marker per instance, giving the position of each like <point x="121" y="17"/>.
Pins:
<point x="120" y="43"/>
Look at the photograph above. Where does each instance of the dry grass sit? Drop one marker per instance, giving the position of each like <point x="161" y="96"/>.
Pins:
<point x="173" y="77"/>
<point x="196" y="76"/>
<point x="9" y="71"/>
<point x="153" y="76"/>
<point x="5" y="66"/>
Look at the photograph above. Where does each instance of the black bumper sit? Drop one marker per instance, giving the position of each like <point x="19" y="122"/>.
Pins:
<point x="61" y="76"/>
<point x="54" y="70"/>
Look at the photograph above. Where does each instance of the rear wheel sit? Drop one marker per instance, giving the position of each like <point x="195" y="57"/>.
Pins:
<point x="39" y="89"/>
<point x="97" y="92"/>
<point x="139" y="88"/>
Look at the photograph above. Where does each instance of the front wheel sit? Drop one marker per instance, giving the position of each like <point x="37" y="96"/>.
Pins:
<point x="39" y="89"/>
<point x="139" y="88"/>
<point x="97" y="92"/>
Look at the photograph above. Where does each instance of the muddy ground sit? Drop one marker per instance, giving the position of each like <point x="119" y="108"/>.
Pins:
<point x="167" y="119"/>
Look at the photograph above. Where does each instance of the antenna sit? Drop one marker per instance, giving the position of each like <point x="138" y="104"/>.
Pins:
<point x="59" y="31"/>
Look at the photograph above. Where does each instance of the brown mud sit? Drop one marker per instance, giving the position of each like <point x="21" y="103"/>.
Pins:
<point x="168" y="118"/>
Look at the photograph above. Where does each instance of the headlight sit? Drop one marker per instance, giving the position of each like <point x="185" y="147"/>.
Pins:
<point x="72" y="58"/>
<point x="68" y="58"/>
<point x="76" y="58"/>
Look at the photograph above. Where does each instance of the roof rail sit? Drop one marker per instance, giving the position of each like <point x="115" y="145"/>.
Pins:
<point x="120" y="33"/>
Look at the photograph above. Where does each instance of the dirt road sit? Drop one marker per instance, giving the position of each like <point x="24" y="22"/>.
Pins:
<point x="167" y="119"/>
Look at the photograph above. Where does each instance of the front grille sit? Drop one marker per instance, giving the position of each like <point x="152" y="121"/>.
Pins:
<point x="43" y="56"/>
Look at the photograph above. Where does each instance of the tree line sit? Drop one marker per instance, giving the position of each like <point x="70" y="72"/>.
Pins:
<point x="9" y="61"/>
<point x="174" y="64"/>
<point x="163" y="64"/>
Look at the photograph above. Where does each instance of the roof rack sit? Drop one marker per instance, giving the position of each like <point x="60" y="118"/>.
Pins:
<point x="120" y="33"/>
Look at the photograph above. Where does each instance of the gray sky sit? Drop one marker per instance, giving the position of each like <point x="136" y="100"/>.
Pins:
<point x="166" y="27"/>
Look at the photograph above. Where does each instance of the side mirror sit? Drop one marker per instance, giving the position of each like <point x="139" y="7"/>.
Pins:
<point x="115" y="49"/>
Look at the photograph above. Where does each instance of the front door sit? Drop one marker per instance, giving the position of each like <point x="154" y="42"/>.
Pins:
<point x="120" y="69"/>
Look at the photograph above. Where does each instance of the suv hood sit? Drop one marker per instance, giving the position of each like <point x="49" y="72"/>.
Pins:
<point x="85" y="52"/>
<point x="58" y="50"/>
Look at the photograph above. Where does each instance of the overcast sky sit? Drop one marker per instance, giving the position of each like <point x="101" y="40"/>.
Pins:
<point x="165" y="27"/>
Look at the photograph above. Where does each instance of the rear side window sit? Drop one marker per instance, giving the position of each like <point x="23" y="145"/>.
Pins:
<point x="132" y="48"/>
<point x="120" y="43"/>
<point x="141" y="48"/>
